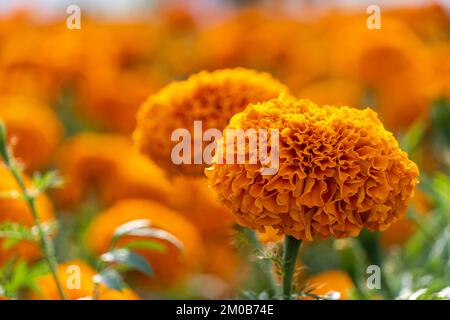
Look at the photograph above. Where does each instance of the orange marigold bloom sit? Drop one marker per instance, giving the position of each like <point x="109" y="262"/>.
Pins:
<point x="35" y="127"/>
<point x="16" y="210"/>
<point x="389" y="61"/>
<point x="192" y="197"/>
<point x="339" y="171"/>
<point x="104" y="161"/>
<point x="169" y="266"/>
<point x="111" y="98"/>
<point x="210" y="97"/>
<point x="331" y="281"/>
<point x="77" y="288"/>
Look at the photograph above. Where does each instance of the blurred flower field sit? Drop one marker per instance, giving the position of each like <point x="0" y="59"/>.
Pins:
<point x="92" y="205"/>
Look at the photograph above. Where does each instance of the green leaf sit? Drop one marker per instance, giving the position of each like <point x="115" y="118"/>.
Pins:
<point x="158" y="234"/>
<point x="145" y="244"/>
<point x="126" y="228"/>
<point x="19" y="276"/>
<point x="110" y="278"/>
<point x="412" y="137"/>
<point x="128" y="258"/>
<point x="141" y="228"/>
<point x="3" y="143"/>
<point x="50" y="179"/>
<point x="441" y="118"/>
<point x="17" y="231"/>
<point x="9" y="243"/>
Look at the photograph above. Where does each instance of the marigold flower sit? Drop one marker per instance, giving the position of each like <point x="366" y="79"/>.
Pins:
<point x="35" y="127"/>
<point x="331" y="281"/>
<point x="170" y="266"/>
<point x="77" y="280"/>
<point x="339" y="171"/>
<point x="104" y="102"/>
<point x="14" y="209"/>
<point x="389" y="62"/>
<point x="104" y="161"/>
<point x="257" y="39"/>
<point x="270" y="235"/>
<point x="210" y="97"/>
<point x="192" y="197"/>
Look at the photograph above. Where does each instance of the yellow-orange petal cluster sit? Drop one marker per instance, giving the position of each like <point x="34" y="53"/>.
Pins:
<point x="339" y="171"/>
<point x="77" y="280"/>
<point x="15" y="210"/>
<point x="331" y="281"/>
<point x="171" y="265"/>
<point x="35" y="128"/>
<point x="210" y="97"/>
<point x="106" y="162"/>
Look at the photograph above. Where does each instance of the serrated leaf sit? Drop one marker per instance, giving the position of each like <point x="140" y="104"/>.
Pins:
<point x="145" y="244"/>
<point x="128" y="258"/>
<point x="110" y="278"/>
<point x="10" y="230"/>
<point x="50" y="179"/>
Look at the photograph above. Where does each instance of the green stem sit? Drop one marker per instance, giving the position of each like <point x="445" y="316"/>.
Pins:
<point x="371" y="245"/>
<point x="291" y="247"/>
<point x="44" y="240"/>
<point x="265" y="264"/>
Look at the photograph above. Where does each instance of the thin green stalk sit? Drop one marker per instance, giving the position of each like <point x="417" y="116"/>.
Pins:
<point x="371" y="245"/>
<point x="265" y="264"/>
<point x="44" y="241"/>
<point x="291" y="247"/>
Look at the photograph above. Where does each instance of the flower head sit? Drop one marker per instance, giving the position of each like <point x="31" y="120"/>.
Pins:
<point x="210" y="97"/>
<point x="172" y="264"/>
<point x="77" y="280"/>
<point x="339" y="171"/>
<point x="331" y="281"/>
<point x="104" y="161"/>
<point x="35" y="128"/>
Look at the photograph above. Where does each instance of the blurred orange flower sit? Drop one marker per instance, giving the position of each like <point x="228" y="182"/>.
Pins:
<point x="77" y="280"/>
<point x="170" y="266"/>
<point x="388" y="62"/>
<point x="107" y="163"/>
<point x="35" y="128"/>
<point x="331" y="281"/>
<point x="193" y="198"/>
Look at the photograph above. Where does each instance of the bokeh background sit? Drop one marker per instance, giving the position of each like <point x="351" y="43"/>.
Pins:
<point x="69" y="100"/>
